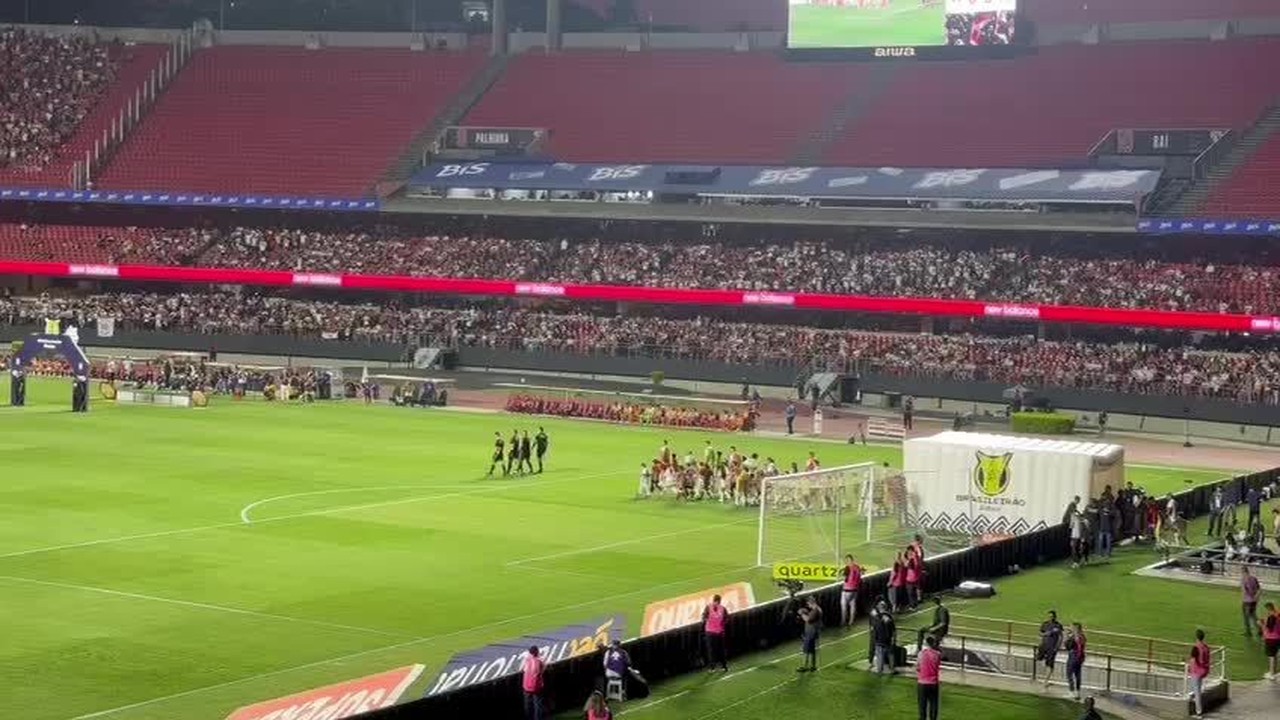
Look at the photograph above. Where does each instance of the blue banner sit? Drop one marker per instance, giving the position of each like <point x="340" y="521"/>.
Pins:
<point x="885" y="183"/>
<point x="171" y="199"/>
<point x="1209" y="227"/>
<point x="505" y="658"/>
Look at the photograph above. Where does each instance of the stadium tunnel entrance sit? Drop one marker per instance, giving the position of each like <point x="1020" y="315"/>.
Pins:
<point x="48" y="342"/>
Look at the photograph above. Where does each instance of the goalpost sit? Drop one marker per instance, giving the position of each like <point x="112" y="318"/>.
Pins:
<point x="808" y="516"/>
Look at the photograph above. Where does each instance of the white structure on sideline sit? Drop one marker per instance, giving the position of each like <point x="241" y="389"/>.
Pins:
<point x="981" y="484"/>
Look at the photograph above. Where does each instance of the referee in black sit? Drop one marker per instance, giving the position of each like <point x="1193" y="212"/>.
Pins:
<point x="540" y="442"/>
<point x="526" y="453"/>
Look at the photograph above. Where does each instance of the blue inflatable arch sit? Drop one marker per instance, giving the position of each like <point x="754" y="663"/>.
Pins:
<point x="39" y="344"/>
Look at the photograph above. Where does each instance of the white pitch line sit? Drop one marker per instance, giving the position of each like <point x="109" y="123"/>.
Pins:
<point x="244" y="513"/>
<point x="409" y="643"/>
<point x="281" y="518"/>
<point x="632" y="541"/>
<point x="203" y="606"/>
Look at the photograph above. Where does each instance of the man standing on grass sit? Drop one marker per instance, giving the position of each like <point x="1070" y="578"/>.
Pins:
<point x="540" y="443"/>
<point x="1254" y="500"/>
<point x="849" y="591"/>
<point x="884" y="635"/>
<point x="1250" y="590"/>
<point x="1271" y="638"/>
<point x="791" y="418"/>
<point x="811" y="616"/>
<point x="928" y="670"/>
<point x="1217" y="505"/>
<point x="533" y="668"/>
<point x="1197" y="670"/>
<point x="715" y="618"/>
<point x="1050" y="643"/>
<point x="526" y="453"/>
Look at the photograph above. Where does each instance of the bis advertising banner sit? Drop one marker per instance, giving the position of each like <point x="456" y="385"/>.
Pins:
<point x="687" y="609"/>
<point x="333" y="702"/>
<point x="502" y="659"/>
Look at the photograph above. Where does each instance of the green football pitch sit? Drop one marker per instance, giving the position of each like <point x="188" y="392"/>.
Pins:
<point x="904" y="22"/>
<point x="165" y="563"/>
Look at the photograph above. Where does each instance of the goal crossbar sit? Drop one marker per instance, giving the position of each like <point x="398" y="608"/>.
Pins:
<point x="817" y="512"/>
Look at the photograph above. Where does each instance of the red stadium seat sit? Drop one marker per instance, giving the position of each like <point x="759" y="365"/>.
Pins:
<point x="1050" y="108"/>
<point x="1090" y="12"/>
<point x="288" y="121"/>
<point x="679" y="106"/>
<point x="1252" y="193"/>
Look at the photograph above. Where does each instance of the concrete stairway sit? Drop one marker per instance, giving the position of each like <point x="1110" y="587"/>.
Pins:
<point x="411" y="159"/>
<point x="1193" y="197"/>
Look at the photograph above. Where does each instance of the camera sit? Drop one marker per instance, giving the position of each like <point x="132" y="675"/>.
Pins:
<point x="791" y="586"/>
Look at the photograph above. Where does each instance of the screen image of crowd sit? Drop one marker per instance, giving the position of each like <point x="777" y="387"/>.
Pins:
<point x="635" y="413"/>
<point x="1250" y="374"/>
<point x="985" y="28"/>
<point x="1063" y="270"/>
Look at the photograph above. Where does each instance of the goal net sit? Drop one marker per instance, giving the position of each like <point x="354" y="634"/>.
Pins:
<point x="811" y="516"/>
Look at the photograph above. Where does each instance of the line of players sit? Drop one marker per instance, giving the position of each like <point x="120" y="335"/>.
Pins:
<point x="731" y="477"/>
<point x="519" y="452"/>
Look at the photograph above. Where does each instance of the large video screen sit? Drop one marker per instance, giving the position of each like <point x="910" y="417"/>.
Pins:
<point x="887" y="26"/>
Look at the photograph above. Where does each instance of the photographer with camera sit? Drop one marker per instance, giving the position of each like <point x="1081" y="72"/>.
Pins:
<point x="811" y="615"/>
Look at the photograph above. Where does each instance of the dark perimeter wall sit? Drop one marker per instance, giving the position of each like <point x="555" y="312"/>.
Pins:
<point x="1211" y="409"/>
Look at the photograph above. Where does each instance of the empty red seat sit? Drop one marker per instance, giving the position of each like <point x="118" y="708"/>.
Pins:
<point x="678" y="106"/>
<point x="1050" y="108"/>
<point x="1252" y="193"/>
<point x="288" y="121"/>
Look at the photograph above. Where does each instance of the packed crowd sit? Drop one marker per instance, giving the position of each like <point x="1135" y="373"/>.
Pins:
<point x="1251" y="377"/>
<point x="634" y="413"/>
<point x="55" y="82"/>
<point x="1026" y="273"/>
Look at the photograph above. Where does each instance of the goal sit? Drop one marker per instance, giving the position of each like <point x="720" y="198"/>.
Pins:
<point x="811" y="516"/>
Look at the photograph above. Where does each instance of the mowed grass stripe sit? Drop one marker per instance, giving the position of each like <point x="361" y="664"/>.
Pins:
<point x="432" y="568"/>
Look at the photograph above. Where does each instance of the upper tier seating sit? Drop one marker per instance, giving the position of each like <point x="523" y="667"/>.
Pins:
<point x="1088" y="12"/>
<point x="1252" y="193"/>
<point x="71" y="90"/>
<point x="679" y="106"/>
<point x="288" y="121"/>
<point x="1050" y="108"/>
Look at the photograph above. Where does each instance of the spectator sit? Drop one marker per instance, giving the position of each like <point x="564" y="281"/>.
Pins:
<point x="928" y="672"/>
<point x="811" y="615"/>
<point x="884" y="632"/>
<point x="533" y="669"/>
<point x="1217" y="505"/>
<point x="1075" y="646"/>
<point x="715" y="620"/>
<point x="1050" y="643"/>
<point x="1270" y="627"/>
<point x="597" y="708"/>
<point x="1198" y="666"/>
<point x="1090" y="712"/>
<point x="1250" y="590"/>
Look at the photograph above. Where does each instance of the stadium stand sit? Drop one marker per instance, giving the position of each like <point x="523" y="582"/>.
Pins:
<point x="1050" y="108"/>
<point x="614" y="106"/>
<point x="72" y="89"/>
<point x="1088" y="12"/>
<point x="1251" y="192"/>
<point x="1251" y="376"/>
<point x="289" y="121"/>
<point x="1243" y="279"/>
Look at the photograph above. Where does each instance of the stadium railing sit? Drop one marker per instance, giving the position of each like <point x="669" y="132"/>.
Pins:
<point x="680" y="651"/>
